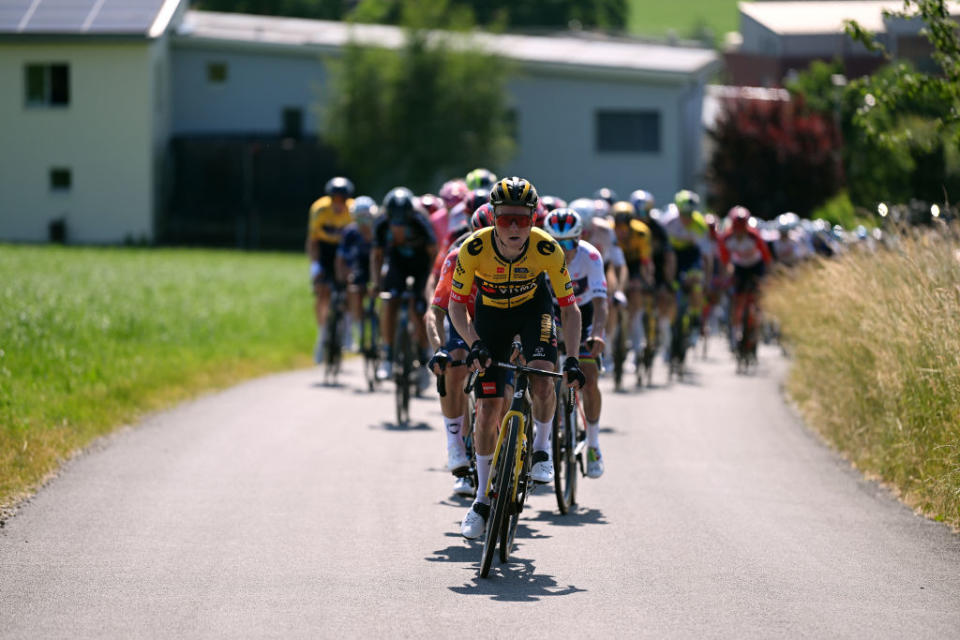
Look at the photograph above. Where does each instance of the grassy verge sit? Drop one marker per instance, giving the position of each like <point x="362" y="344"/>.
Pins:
<point x="876" y="340"/>
<point x="687" y="19"/>
<point x="92" y="338"/>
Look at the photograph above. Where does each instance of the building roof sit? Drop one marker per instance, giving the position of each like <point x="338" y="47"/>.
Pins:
<point x="562" y="50"/>
<point x="147" y="18"/>
<point x="805" y="17"/>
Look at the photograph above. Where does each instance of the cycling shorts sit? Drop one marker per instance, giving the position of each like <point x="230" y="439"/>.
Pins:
<point x="745" y="279"/>
<point x="454" y="341"/>
<point x="395" y="281"/>
<point x="532" y="321"/>
<point x="328" y="262"/>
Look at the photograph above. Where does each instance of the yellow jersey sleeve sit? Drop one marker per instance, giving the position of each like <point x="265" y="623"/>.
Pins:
<point x="328" y="221"/>
<point x="464" y="272"/>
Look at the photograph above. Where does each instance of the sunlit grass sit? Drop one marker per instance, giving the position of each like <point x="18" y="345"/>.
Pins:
<point x="876" y="342"/>
<point x="686" y="19"/>
<point x="92" y="338"/>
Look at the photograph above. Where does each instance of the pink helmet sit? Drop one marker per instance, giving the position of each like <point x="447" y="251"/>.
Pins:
<point x="452" y="192"/>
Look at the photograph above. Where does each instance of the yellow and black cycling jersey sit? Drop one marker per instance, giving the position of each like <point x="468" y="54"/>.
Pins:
<point x="638" y="246"/>
<point x="327" y="220"/>
<point x="504" y="284"/>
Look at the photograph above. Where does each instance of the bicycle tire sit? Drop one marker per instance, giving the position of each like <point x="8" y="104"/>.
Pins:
<point x="334" y="343"/>
<point x="501" y="478"/>
<point x="401" y="367"/>
<point x="564" y="461"/>
<point x="619" y="353"/>
<point x="515" y="507"/>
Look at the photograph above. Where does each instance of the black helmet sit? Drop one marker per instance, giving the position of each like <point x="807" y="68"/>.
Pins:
<point x="514" y="191"/>
<point x="339" y="186"/>
<point x="399" y="202"/>
<point x="474" y="199"/>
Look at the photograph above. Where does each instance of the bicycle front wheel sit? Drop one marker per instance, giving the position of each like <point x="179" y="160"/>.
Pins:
<point x="518" y="496"/>
<point x="501" y="479"/>
<point x="564" y="462"/>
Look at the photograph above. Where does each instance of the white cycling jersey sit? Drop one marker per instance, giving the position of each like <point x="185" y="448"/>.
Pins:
<point x="601" y="235"/>
<point x="586" y="274"/>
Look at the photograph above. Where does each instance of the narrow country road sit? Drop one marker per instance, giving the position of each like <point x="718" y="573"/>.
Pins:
<point x="282" y="508"/>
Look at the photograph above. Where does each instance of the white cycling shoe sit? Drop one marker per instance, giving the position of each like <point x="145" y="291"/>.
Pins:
<point x="457" y="460"/>
<point x="542" y="468"/>
<point x="385" y="370"/>
<point x="464" y="487"/>
<point x="475" y="522"/>
<point x="594" y="463"/>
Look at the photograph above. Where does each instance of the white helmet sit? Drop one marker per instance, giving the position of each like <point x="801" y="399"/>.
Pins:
<point x="584" y="207"/>
<point x="364" y="209"/>
<point x="563" y="224"/>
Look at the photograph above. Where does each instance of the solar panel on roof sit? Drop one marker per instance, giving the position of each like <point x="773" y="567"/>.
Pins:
<point x="78" y="16"/>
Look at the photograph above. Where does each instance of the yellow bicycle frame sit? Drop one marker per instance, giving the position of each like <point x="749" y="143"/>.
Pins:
<point x="521" y="441"/>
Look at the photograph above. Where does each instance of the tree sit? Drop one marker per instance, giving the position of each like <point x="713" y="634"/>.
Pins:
<point x="419" y="114"/>
<point x="772" y="156"/>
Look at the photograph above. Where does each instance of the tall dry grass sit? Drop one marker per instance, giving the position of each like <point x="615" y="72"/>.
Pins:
<point x="876" y="344"/>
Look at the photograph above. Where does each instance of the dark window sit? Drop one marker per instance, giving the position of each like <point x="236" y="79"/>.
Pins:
<point x="632" y="131"/>
<point x="216" y="72"/>
<point x="60" y="179"/>
<point x="293" y="122"/>
<point x="47" y="84"/>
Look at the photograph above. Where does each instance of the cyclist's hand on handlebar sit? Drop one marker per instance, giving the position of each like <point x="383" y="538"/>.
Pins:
<point x="479" y="356"/>
<point x="439" y="362"/>
<point x="571" y="368"/>
<point x="596" y="345"/>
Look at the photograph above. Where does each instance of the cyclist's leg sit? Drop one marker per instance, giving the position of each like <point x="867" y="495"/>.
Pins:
<point x="538" y="333"/>
<point x="452" y="404"/>
<point x="393" y="283"/>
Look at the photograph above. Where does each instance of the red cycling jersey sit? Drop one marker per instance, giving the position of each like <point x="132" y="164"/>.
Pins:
<point x="441" y="295"/>
<point x="745" y="250"/>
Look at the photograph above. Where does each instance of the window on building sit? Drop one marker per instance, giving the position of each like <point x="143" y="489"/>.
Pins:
<point x="47" y="85"/>
<point x="216" y="72"/>
<point x="629" y="131"/>
<point x="61" y="179"/>
<point x="292" y="123"/>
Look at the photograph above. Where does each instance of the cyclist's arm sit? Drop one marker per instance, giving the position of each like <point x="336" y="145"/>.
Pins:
<point x="570" y="320"/>
<point x="376" y="264"/>
<point x="461" y="322"/>
<point x="599" y="317"/>
<point x="434" y="321"/>
<point x="461" y="284"/>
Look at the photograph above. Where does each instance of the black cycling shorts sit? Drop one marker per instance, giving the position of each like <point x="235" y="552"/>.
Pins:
<point x="395" y="280"/>
<point x="328" y="262"/>
<point x="745" y="279"/>
<point x="532" y="321"/>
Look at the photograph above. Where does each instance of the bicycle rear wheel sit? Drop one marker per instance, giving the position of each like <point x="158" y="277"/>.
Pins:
<point x="501" y="480"/>
<point x="401" y="367"/>
<point x="619" y="351"/>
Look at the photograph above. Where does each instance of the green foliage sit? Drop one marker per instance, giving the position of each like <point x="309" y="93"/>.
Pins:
<point x="557" y="14"/>
<point x="703" y="20"/>
<point x="772" y="157"/>
<point x="816" y="86"/>
<point x="90" y="338"/>
<point x="431" y="109"/>
<point x="840" y="210"/>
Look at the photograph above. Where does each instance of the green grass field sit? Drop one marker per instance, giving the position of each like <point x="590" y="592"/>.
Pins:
<point x="92" y="338"/>
<point x="687" y="18"/>
<point x="876" y="340"/>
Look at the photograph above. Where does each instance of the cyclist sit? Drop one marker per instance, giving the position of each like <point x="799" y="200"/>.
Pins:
<point x="550" y="203"/>
<point x="606" y="194"/>
<point x="454" y="404"/>
<point x="744" y="249"/>
<point x="451" y="194"/>
<point x="634" y="240"/>
<point x="590" y="287"/>
<point x="481" y="179"/>
<point x="403" y="246"/>
<point x="328" y="216"/>
<point x="789" y="249"/>
<point x="664" y="260"/>
<point x="353" y="261"/>
<point x="507" y="262"/>
<point x="690" y="239"/>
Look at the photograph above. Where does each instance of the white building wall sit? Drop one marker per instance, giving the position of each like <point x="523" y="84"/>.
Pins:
<point x="557" y="145"/>
<point x="259" y="86"/>
<point x="104" y="136"/>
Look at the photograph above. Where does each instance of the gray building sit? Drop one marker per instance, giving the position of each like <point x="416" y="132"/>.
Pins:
<point x="590" y="112"/>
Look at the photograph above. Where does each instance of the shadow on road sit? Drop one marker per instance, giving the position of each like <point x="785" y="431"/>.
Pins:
<point x="328" y="385"/>
<point x="516" y="581"/>
<point x="579" y="518"/>
<point x="392" y="426"/>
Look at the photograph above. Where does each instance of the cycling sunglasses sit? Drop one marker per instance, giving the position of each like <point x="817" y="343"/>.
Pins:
<point x="569" y="243"/>
<point x="522" y="220"/>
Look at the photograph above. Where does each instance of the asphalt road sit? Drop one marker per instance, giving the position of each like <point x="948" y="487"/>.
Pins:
<point x="283" y="508"/>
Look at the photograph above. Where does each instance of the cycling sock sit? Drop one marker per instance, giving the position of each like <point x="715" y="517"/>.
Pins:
<point x="665" y="331"/>
<point x="593" y="434"/>
<point x="636" y="332"/>
<point x="453" y="431"/>
<point x="483" y="473"/>
<point x="541" y="441"/>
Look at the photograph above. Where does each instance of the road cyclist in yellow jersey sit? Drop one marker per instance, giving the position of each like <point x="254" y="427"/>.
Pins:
<point x="635" y="240"/>
<point x="329" y="215"/>
<point x="506" y="262"/>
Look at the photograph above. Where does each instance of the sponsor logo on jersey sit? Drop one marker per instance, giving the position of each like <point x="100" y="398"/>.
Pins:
<point x="460" y="270"/>
<point x="475" y="246"/>
<point x="501" y="270"/>
<point x="546" y="327"/>
<point x="488" y="387"/>
<point x="546" y="247"/>
<point x="539" y="353"/>
<point x="521" y="270"/>
<point x="457" y="283"/>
